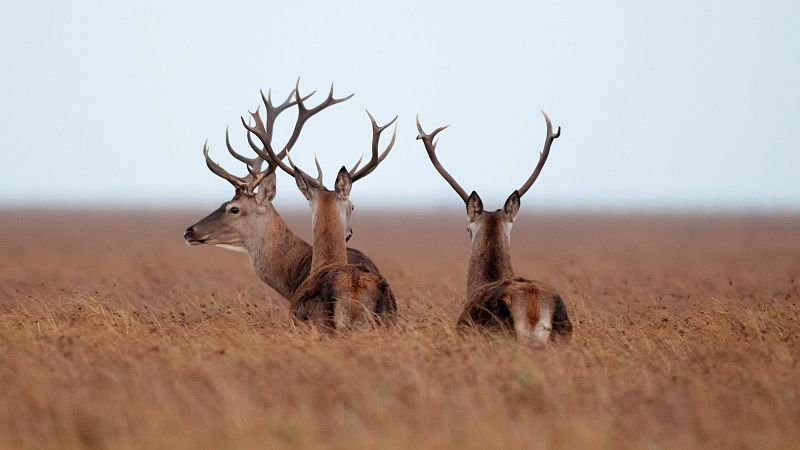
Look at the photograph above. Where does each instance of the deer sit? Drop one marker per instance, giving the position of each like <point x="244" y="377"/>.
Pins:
<point x="496" y="298"/>
<point x="337" y="295"/>
<point x="250" y="223"/>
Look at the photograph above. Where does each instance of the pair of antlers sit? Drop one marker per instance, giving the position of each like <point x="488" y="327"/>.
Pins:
<point x="263" y="131"/>
<point x="430" y="147"/>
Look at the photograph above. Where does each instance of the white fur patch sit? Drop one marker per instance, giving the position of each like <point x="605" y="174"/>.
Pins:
<point x="507" y="230"/>
<point x="536" y="335"/>
<point x="232" y="248"/>
<point x="541" y="332"/>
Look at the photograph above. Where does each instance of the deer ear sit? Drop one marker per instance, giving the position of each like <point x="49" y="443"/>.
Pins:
<point x="266" y="189"/>
<point x="343" y="182"/>
<point x="305" y="188"/>
<point x="511" y="208"/>
<point x="474" y="206"/>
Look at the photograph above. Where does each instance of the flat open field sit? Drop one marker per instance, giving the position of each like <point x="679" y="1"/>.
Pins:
<point x="114" y="333"/>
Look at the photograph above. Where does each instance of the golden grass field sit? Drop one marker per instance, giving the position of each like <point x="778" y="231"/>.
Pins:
<point x="115" y="334"/>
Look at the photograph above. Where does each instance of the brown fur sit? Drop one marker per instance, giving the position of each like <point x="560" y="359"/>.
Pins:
<point x="316" y="298"/>
<point x="532" y="311"/>
<point x="335" y="290"/>
<point x="328" y="239"/>
<point x="492" y="285"/>
<point x="301" y="267"/>
<point x="490" y="257"/>
<point x="490" y="306"/>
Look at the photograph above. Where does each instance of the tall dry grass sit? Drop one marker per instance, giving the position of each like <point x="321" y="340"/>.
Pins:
<point x="113" y="333"/>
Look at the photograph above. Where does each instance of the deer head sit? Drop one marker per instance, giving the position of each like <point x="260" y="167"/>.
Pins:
<point x="488" y="226"/>
<point x="230" y="225"/>
<point x="247" y="214"/>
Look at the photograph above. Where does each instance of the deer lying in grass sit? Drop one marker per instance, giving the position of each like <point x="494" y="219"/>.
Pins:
<point x="496" y="298"/>
<point x="249" y="222"/>
<point x="337" y="294"/>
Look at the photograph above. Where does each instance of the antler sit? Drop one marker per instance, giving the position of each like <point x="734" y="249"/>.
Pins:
<point x="249" y="183"/>
<point x="252" y="163"/>
<point x="272" y="114"/>
<point x="303" y="114"/>
<point x="237" y="182"/>
<point x="374" y="159"/>
<point x="548" y="141"/>
<point x="273" y="111"/>
<point x="430" y="146"/>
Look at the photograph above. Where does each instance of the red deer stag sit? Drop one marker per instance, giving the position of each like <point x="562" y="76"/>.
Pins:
<point x="249" y="222"/>
<point x="496" y="298"/>
<point x="337" y="294"/>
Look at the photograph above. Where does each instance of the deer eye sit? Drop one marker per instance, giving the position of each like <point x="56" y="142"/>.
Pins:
<point x="234" y="210"/>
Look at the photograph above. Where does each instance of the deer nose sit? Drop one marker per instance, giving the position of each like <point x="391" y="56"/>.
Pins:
<point x="188" y="233"/>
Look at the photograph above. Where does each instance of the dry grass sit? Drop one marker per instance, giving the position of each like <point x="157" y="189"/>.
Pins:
<point x="113" y="333"/>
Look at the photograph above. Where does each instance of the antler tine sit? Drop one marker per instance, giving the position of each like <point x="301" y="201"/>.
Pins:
<point x="430" y="147"/>
<point x="548" y="142"/>
<point x="329" y="100"/>
<point x="254" y="163"/>
<point x="355" y="166"/>
<point x="253" y="145"/>
<point x="385" y="152"/>
<point x="319" y="170"/>
<point x="376" y="158"/>
<point x="237" y="182"/>
<point x="314" y="181"/>
<point x="259" y="130"/>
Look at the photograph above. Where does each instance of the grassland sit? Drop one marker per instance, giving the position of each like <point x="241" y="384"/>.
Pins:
<point x="115" y="334"/>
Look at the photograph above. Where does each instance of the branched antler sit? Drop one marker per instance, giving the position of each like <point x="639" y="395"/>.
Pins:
<point x="430" y="147"/>
<point x="237" y="182"/>
<point x="375" y="159"/>
<point x="273" y="111"/>
<point x="252" y="163"/>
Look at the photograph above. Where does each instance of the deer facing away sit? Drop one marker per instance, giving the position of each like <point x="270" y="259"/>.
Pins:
<point x="249" y="222"/>
<point x="337" y="294"/>
<point x="496" y="297"/>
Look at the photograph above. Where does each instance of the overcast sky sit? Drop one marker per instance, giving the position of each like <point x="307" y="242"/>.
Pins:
<point x="663" y="104"/>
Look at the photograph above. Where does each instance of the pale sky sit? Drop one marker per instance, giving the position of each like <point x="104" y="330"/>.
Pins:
<point x="663" y="104"/>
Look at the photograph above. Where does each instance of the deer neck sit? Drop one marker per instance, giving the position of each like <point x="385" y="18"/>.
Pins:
<point x="328" y="242"/>
<point x="276" y="252"/>
<point x="490" y="256"/>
